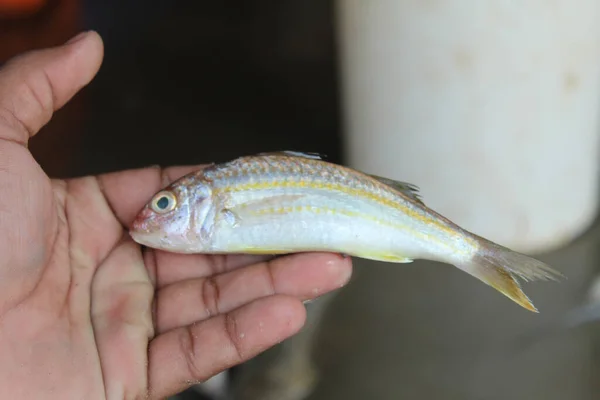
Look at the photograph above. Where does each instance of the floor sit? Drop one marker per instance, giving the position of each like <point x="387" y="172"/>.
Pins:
<point x="189" y="82"/>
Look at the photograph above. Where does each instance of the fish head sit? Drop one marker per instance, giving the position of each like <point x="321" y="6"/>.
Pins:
<point x="170" y="219"/>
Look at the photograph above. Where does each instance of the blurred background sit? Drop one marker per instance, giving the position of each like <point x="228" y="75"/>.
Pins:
<point x="491" y="108"/>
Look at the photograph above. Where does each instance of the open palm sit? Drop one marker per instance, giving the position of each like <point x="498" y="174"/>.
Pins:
<point x="85" y="312"/>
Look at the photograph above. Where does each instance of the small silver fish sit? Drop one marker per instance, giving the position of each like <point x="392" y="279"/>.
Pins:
<point x="289" y="202"/>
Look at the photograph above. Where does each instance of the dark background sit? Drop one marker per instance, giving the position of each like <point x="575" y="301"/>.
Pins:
<point x="187" y="82"/>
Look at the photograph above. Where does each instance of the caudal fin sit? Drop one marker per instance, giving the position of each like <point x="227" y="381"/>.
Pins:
<point x="499" y="267"/>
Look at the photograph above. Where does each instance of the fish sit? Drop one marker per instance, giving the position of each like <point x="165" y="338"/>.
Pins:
<point x="286" y="202"/>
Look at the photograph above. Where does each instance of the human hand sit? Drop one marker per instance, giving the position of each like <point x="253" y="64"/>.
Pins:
<point x="85" y="312"/>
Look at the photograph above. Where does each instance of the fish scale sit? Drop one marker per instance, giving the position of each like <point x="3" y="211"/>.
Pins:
<point x="288" y="202"/>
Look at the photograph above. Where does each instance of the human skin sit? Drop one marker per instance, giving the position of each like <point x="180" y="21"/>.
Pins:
<point x="85" y="312"/>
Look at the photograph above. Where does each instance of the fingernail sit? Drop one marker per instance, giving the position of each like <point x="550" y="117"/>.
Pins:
<point x="344" y="275"/>
<point x="77" y="38"/>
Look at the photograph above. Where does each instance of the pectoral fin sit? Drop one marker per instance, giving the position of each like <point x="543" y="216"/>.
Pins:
<point x="267" y="207"/>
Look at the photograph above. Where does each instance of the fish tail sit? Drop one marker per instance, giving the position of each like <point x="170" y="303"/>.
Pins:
<point x="499" y="267"/>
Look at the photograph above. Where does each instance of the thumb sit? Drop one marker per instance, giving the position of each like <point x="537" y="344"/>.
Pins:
<point x="37" y="83"/>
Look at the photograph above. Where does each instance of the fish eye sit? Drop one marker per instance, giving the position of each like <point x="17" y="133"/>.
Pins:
<point x="164" y="202"/>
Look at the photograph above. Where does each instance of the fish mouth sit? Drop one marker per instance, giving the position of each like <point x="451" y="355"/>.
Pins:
<point x="158" y="241"/>
<point x="141" y="237"/>
<point x="141" y="233"/>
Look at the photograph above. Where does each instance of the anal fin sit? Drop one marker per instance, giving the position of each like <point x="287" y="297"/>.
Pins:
<point x="386" y="257"/>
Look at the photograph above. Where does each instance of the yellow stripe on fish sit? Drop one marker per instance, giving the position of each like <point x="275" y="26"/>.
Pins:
<point x="276" y="184"/>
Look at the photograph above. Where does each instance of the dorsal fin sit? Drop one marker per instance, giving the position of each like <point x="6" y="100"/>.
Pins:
<point x="290" y="153"/>
<point x="408" y="189"/>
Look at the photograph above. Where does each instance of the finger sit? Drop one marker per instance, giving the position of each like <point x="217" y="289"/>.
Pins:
<point x="192" y="354"/>
<point x="304" y="276"/>
<point x="120" y="308"/>
<point x="166" y="268"/>
<point x="128" y="191"/>
<point x="34" y="85"/>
